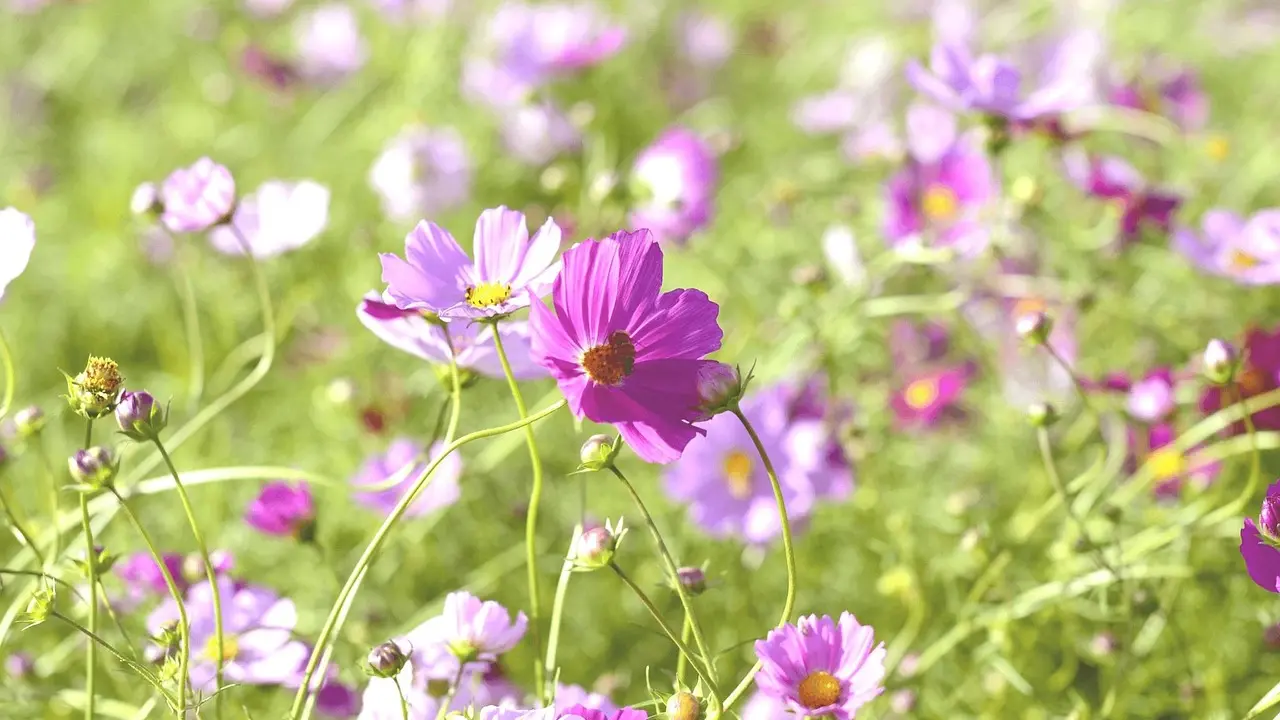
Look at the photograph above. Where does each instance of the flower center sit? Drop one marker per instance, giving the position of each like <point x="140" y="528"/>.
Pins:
<point x="230" y="648"/>
<point x="1029" y="306"/>
<point x="819" y="689"/>
<point x="1241" y="260"/>
<point x="939" y="203"/>
<point x="1218" y="148"/>
<point x="1166" y="463"/>
<point x="737" y="474"/>
<point x="1252" y="381"/>
<point x="488" y="294"/>
<point x="610" y="363"/>
<point x="920" y="394"/>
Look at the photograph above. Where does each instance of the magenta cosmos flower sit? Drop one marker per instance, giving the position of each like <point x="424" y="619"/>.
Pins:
<point x="144" y="580"/>
<point x="1247" y="251"/>
<point x="283" y="509"/>
<point x="924" y="400"/>
<point x="510" y="270"/>
<point x="406" y="459"/>
<point x="1170" y="468"/>
<point x="674" y="180"/>
<point x="623" y="351"/>
<point x="277" y="217"/>
<point x="947" y="186"/>
<point x="198" y="197"/>
<point x="471" y="343"/>
<point x="422" y="172"/>
<point x="1142" y="206"/>
<point x="821" y="668"/>
<point x="1260" y="542"/>
<point x="17" y="240"/>
<point x="1259" y="373"/>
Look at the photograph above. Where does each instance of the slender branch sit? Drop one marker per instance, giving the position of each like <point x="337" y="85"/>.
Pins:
<point x="447" y="700"/>
<point x="657" y="616"/>
<point x="96" y="640"/>
<point x="557" y="615"/>
<point x="91" y="565"/>
<point x="1046" y="454"/>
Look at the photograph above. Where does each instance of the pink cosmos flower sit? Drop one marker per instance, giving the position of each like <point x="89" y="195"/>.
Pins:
<point x="329" y="43"/>
<point x="422" y="172"/>
<point x="1247" y="251"/>
<point x="277" y="217"/>
<point x="1142" y="205"/>
<point x="198" y="197"/>
<point x="510" y="270"/>
<point x="17" y="240"/>
<point x="536" y="133"/>
<point x="623" y="351"/>
<point x="821" y="668"/>
<point x="405" y="459"/>
<point x="925" y="398"/>
<point x="282" y="509"/>
<point x="676" y="182"/>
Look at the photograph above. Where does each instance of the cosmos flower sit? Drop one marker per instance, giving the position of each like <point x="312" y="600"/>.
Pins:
<point x="862" y="106"/>
<point x="476" y="629"/>
<point x="538" y="132"/>
<point x="1170" y="468"/>
<point x="1151" y="399"/>
<point x="17" y="240"/>
<point x="283" y="509"/>
<point x="329" y="43"/>
<point x="198" y="197"/>
<point x="705" y="40"/>
<point x="674" y="181"/>
<point x="381" y="699"/>
<point x="277" y="217"/>
<point x="569" y="695"/>
<point x="762" y="706"/>
<point x="1258" y="374"/>
<point x="924" y="400"/>
<point x="337" y="700"/>
<point x="1109" y="178"/>
<point x="912" y="344"/>
<point x="402" y="453"/>
<point x="410" y="331"/>
<point x="821" y="668"/>
<point x="510" y="270"/>
<point x="622" y="351"/>
<point x="1260" y="543"/>
<point x="1174" y="94"/>
<point x="940" y="196"/>
<point x="1247" y="251"/>
<point x="422" y="172"/>
<point x="143" y="579"/>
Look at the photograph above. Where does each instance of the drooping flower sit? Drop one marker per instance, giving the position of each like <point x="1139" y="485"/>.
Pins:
<point x="143" y="579"/>
<point x="862" y="106"/>
<point x="405" y="459"/>
<point x="1259" y="373"/>
<point x="622" y="351"/>
<point x="821" y="668"/>
<point x="198" y="197"/>
<point x="536" y="133"/>
<point x="283" y="509"/>
<point x="422" y="172"/>
<point x="1142" y="206"/>
<point x="674" y="180"/>
<point x="277" y="217"/>
<point x="924" y="400"/>
<point x="1247" y="251"/>
<point x="940" y="197"/>
<point x="1260" y="543"/>
<point x="17" y="240"/>
<point x="330" y="46"/>
<point x="510" y="270"/>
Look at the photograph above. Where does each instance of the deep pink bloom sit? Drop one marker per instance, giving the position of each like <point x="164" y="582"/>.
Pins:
<point x="580" y="712"/>
<point x="570" y="695"/>
<point x="1247" y="251"/>
<point x="337" y="700"/>
<point x="198" y="197"/>
<point x="282" y="509"/>
<point x="1171" y="468"/>
<point x="1259" y="373"/>
<point x="1151" y="399"/>
<point x="143" y="579"/>
<point x="623" y="351"/>
<point x="1260" y="543"/>
<point x="821" y="668"/>
<point x="924" y="399"/>
<point x="17" y="240"/>
<point x="407" y="458"/>
<point x="510" y="270"/>
<point x="1108" y="178"/>
<point x="675" y="180"/>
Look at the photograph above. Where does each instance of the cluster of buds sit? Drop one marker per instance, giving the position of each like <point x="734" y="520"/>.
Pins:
<point x="595" y="547"/>
<point x="95" y="390"/>
<point x="93" y="468"/>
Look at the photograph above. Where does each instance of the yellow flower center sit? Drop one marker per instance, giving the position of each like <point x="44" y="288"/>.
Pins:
<point x="737" y="474"/>
<point x="819" y="689"/>
<point x="230" y="648"/>
<point x="1218" y="147"/>
<point x="920" y="394"/>
<point x="1167" y="463"/>
<point x="939" y="203"/>
<point x="1241" y="260"/>
<point x="612" y="362"/>
<point x="488" y="294"/>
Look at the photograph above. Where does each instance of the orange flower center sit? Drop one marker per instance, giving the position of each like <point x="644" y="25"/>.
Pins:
<point x="939" y="203"/>
<point x="1029" y="306"/>
<point x="819" y="689"/>
<point x="1241" y="260"/>
<point x="737" y="474"/>
<point x="488" y="294"/>
<point x="920" y="394"/>
<point x="612" y="362"/>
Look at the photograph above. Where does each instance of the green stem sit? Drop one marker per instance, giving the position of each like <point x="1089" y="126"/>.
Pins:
<point x="54" y="506"/>
<point x="7" y="358"/>
<point x="22" y="531"/>
<point x="657" y="616"/>
<point x="1255" y="464"/>
<point x="209" y="570"/>
<point x="788" y="551"/>
<point x="682" y="662"/>
<point x="1046" y="454"/>
<point x="91" y="563"/>
<point x="557" y="614"/>
<point x="184" y="626"/>
<point x="447" y="700"/>
<point x="333" y="624"/>
<point x="455" y="390"/>
<point x="531" y="520"/>
<point x="404" y="702"/>
<point x="673" y="573"/>
<point x="111" y="612"/>
<point x="96" y="640"/>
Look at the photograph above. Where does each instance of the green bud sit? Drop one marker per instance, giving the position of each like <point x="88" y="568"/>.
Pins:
<point x="1042" y="415"/>
<point x="599" y="452"/>
<point x="594" y="548"/>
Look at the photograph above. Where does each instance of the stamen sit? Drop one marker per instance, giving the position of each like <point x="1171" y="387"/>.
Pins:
<point x="737" y="474"/>
<point x="230" y="648"/>
<point x="611" y="363"/>
<point x="920" y="394"/>
<point x="819" y="689"/>
<point x="488" y="294"/>
<point x="939" y="203"/>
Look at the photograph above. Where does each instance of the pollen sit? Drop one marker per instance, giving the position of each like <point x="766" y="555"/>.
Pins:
<point x="920" y="394"/>
<point x="230" y="648"/>
<point x="737" y="474"/>
<point x="488" y="294"/>
<point x="939" y="203"/>
<point x="1167" y="463"/>
<point x="1241" y="260"/>
<point x="819" y="689"/>
<point x="611" y="363"/>
<point x="101" y="375"/>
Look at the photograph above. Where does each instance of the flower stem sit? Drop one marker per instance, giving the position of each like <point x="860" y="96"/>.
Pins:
<point x="447" y="700"/>
<point x="209" y="570"/>
<point x="1255" y="465"/>
<point x="337" y="614"/>
<point x="682" y="662"/>
<point x="404" y="702"/>
<point x="96" y="640"/>
<point x="91" y="563"/>
<point x="674" y="575"/>
<point x="531" y="520"/>
<point x="657" y="616"/>
<point x="1046" y="454"/>
<point x="557" y="614"/>
<point x="22" y="531"/>
<point x="788" y="550"/>
<point x="184" y="626"/>
<point x="455" y="390"/>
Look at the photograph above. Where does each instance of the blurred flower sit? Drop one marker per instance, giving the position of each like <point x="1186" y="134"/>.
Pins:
<point x="568" y="696"/>
<point x="1220" y="362"/>
<point x="1170" y="467"/>
<point x="257" y="646"/>
<point x="1152" y="399"/>
<point x="29" y="421"/>
<point x="277" y="217"/>
<point x="17" y="240"/>
<point x="479" y="630"/>
<point x="283" y="509"/>
<point x="762" y="706"/>
<point x="510" y="270"/>
<point x="536" y="133"/>
<point x="820" y="667"/>
<point x="145" y="199"/>
<point x="862" y="106"/>
<point x="912" y="344"/>
<point x="923" y="401"/>
<point x="1247" y="251"/>
<point x="1110" y="178"/>
<point x="193" y="569"/>
<point x="337" y="700"/>
<point x="574" y="712"/>
<point x="940" y="197"/>
<point x="840" y="248"/>
<point x="627" y="353"/>
<point x="674" y="184"/>
<point x="1176" y="95"/>
<point x="422" y="172"/>
<point x="382" y="698"/>
<point x="143" y="579"/>
<point x="1260" y="544"/>
<point x="267" y="8"/>
<point x="705" y="40"/>
<point x="19" y="665"/>
<point x="198" y="197"/>
<point x="1258" y="373"/>
<point x="407" y="458"/>
<point x="329" y="43"/>
<point x="902" y="702"/>
<point x="413" y="10"/>
<point x="1028" y="375"/>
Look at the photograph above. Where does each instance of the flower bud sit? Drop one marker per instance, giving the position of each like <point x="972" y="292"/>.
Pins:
<point x="93" y="392"/>
<point x="1220" y="362"/>
<point x="29" y="421"/>
<point x="1269" y="518"/>
<point x="94" y="468"/>
<point x="139" y="415"/>
<point x="692" y="579"/>
<point x="1034" y="328"/>
<point x="684" y="705"/>
<point x="386" y="660"/>
<point x="598" y="452"/>
<point x="102" y="561"/>
<point x="39" y="607"/>
<point x="1042" y="414"/>
<point x="594" y="549"/>
<point x="19" y="665"/>
<point x="720" y="386"/>
<point x="146" y="200"/>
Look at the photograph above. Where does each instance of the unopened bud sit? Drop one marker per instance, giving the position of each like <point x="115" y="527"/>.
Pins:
<point x="29" y="421"/>
<point x="692" y="579"/>
<point x="1042" y="414"/>
<point x="39" y="607"/>
<point x="720" y="387"/>
<point x="93" y="468"/>
<point x="684" y="705"/>
<point x="386" y="660"/>
<point x="594" y="549"/>
<point x="1220" y="362"/>
<point x="598" y="452"/>
<point x="1034" y="328"/>
<point x="139" y="415"/>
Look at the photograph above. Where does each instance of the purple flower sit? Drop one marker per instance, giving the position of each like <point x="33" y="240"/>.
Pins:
<point x="622" y="351"/>
<point x="925" y="399"/>
<point x="198" y="197"/>
<point x="19" y="665"/>
<point x="1176" y="95"/>
<point x="382" y="697"/>
<point x="337" y="700"/>
<point x="283" y="509"/>
<point x="579" y="712"/>
<point x="704" y="40"/>
<point x="1151" y="399"/>
<point x="821" y="668"/>
<point x="675" y="181"/>
<point x="940" y="196"/>
<point x="257" y="645"/>
<point x="405" y="459"/>
<point x="1170" y="467"/>
<point x="329" y="43"/>
<point x="422" y="172"/>
<point x="1258" y="374"/>
<point x="862" y="106"/>
<point x="575" y="695"/>
<point x="1247" y="251"/>
<point x="913" y="344"/>
<point x="475" y="629"/>
<point x="1260" y="544"/>
<point x="537" y="133"/>
<point x="410" y="331"/>
<point x="1113" y="179"/>
<point x="510" y="270"/>
<point x="17" y="240"/>
<point x="277" y="217"/>
<point x="143" y="579"/>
